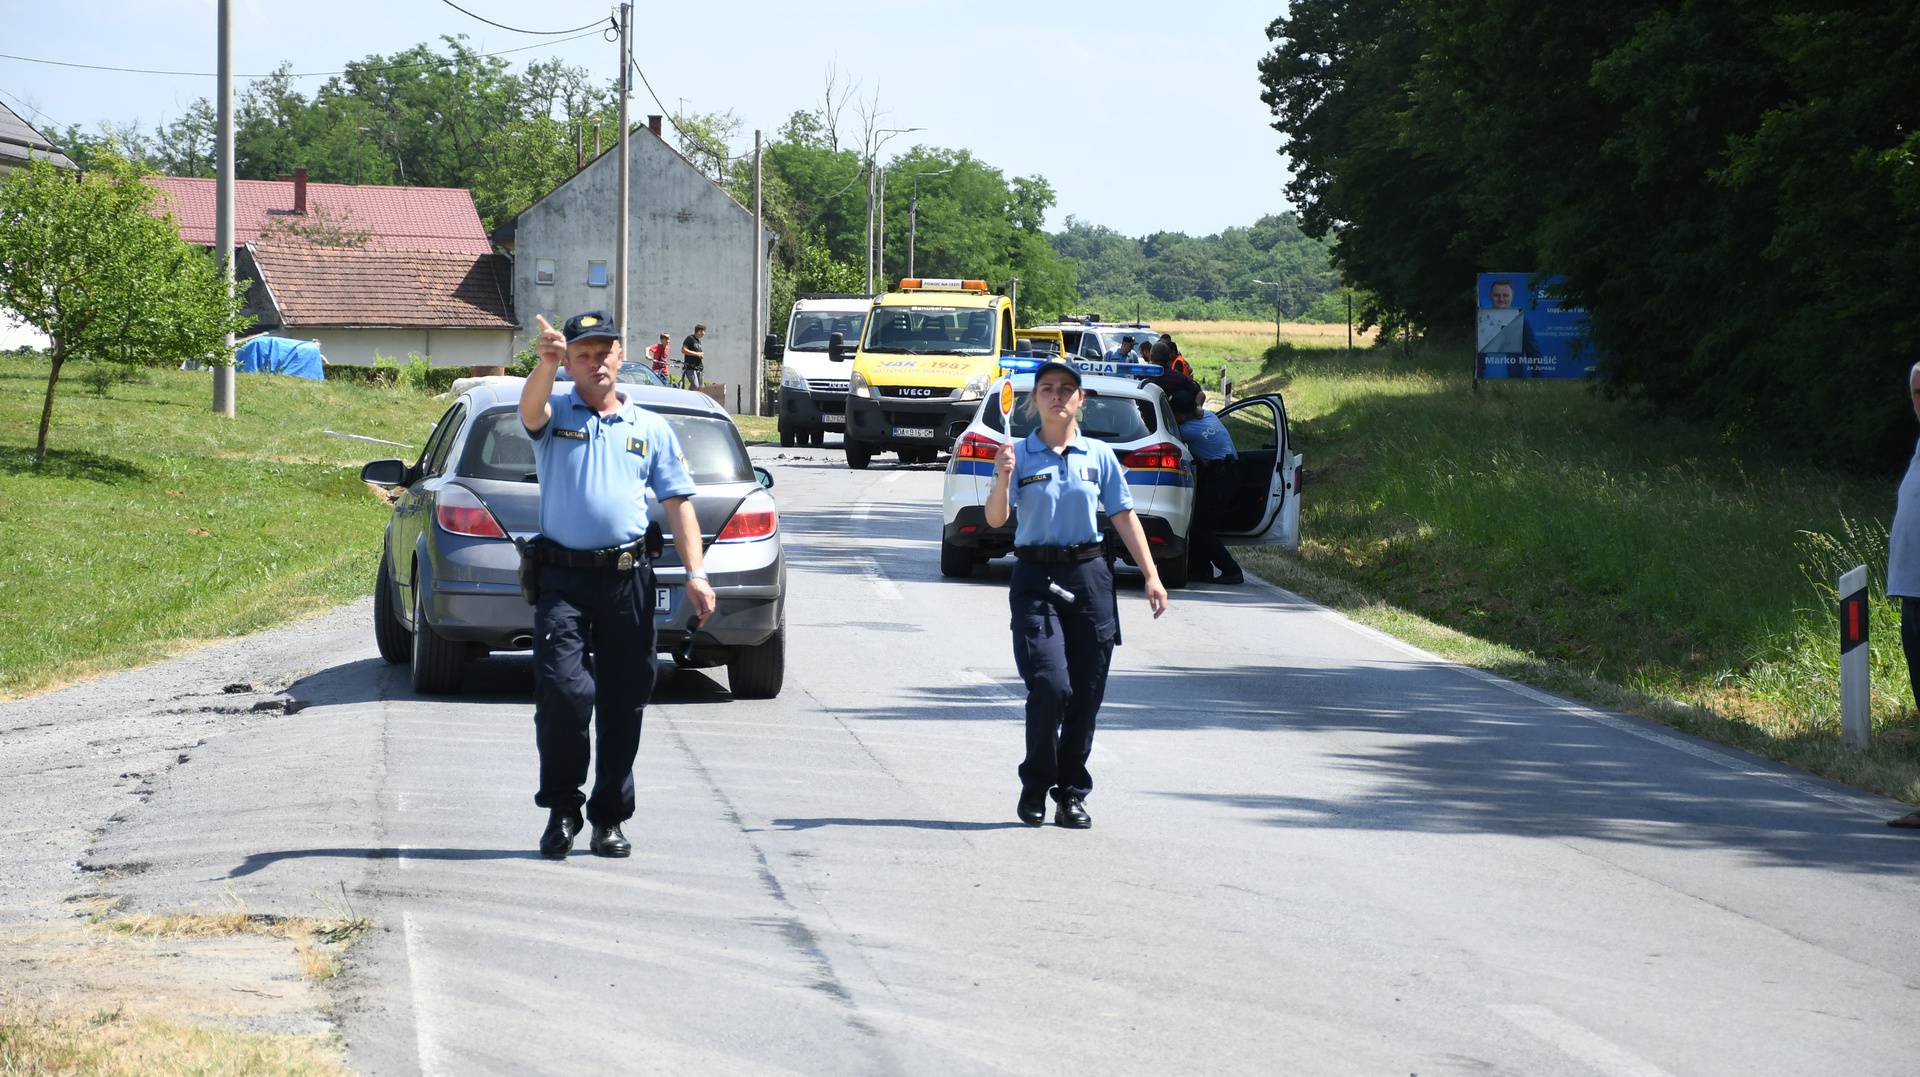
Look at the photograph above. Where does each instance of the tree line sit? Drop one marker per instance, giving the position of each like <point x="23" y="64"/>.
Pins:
<point x="1730" y="190"/>
<point x="451" y="116"/>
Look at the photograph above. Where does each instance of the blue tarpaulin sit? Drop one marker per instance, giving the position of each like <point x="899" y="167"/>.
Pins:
<point x="279" y="355"/>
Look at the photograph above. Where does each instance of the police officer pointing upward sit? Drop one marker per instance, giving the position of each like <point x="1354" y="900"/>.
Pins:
<point x="600" y="458"/>
<point x="1066" y="620"/>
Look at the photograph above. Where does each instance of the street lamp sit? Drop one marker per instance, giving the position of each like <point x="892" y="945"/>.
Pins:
<point x="872" y="153"/>
<point x="1276" y="306"/>
<point x="913" y="216"/>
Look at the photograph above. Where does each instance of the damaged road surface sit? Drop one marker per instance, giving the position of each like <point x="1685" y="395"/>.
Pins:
<point x="1314" y="850"/>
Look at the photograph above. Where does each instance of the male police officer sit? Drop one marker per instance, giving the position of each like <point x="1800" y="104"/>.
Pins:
<point x="600" y="457"/>
<point x="1217" y="477"/>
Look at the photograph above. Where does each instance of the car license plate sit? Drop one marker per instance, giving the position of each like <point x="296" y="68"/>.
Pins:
<point x="833" y="420"/>
<point x="662" y="599"/>
<point x="913" y="431"/>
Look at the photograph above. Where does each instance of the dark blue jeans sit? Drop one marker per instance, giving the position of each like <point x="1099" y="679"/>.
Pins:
<point x="1910" y="642"/>
<point x="1062" y="650"/>
<point x="593" y="647"/>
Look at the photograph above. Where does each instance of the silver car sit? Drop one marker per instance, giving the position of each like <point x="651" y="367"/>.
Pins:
<point x="448" y="589"/>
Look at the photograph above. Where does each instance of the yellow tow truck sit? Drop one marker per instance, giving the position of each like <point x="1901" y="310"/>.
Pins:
<point x="927" y="353"/>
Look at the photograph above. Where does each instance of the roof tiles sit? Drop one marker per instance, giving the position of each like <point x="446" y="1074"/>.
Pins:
<point x="392" y="218"/>
<point x="340" y="287"/>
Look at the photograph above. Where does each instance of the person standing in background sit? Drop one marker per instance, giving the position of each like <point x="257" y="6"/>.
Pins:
<point x="1903" y="567"/>
<point x="693" y="359"/>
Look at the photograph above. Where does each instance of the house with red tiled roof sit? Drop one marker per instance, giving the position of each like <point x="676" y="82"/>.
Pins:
<point x="366" y="271"/>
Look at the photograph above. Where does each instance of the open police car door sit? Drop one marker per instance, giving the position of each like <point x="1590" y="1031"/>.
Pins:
<point x="1269" y="492"/>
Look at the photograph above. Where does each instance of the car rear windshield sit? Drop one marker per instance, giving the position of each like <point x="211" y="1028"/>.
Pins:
<point x="498" y="448"/>
<point x="1109" y="418"/>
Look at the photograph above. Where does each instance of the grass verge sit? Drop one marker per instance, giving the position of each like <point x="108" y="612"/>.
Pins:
<point x="111" y="1044"/>
<point x="317" y="943"/>
<point x="155" y="523"/>
<point x="1543" y="533"/>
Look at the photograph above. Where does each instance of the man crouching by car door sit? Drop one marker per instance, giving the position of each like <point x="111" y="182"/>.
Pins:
<point x="600" y="459"/>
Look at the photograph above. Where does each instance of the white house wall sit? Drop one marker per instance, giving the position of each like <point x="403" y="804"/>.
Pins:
<point x="441" y="347"/>
<point x="690" y="259"/>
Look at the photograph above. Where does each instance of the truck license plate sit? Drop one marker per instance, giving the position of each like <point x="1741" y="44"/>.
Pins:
<point x="913" y="431"/>
<point x="662" y="599"/>
<point x="830" y="419"/>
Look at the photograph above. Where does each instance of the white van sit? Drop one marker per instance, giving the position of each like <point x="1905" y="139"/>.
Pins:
<point x="813" y="384"/>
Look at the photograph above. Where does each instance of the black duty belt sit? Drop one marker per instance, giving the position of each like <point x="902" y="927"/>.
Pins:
<point x="1058" y="555"/>
<point x="622" y="558"/>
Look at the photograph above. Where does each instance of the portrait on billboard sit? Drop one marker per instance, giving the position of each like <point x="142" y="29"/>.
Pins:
<point x="1522" y="331"/>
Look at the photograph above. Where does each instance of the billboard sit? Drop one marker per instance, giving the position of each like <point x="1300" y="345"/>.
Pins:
<point x="1522" y="332"/>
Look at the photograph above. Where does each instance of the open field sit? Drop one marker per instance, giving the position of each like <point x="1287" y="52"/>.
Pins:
<point x="1549" y="535"/>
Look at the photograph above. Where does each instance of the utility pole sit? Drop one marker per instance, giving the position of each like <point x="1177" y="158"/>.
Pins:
<point x="223" y="202"/>
<point x="758" y="356"/>
<point x="869" y="225"/>
<point x="880" y="222"/>
<point x="625" y="220"/>
<point x="913" y="217"/>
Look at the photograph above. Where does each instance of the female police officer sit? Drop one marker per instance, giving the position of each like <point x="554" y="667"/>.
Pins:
<point x="1065" y="618"/>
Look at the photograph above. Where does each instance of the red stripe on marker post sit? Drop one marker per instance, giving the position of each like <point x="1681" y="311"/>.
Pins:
<point x="1853" y="621"/>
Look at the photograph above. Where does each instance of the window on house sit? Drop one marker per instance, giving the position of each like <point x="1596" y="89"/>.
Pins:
<point x="597" y="273"/>
<point x="543" y="270"/>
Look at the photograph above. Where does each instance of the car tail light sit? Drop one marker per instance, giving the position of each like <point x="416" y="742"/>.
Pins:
<point x="756" y="518"/>
<point x="459" y="511"/>
<point x="976" y="447"/>
<point x="1165" y="456"/>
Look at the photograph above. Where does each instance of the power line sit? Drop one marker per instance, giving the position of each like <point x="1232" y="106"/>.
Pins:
<point x="681" y="131"/>
<point x="292" y="74"/>
<point x="22" y="102"/>
<point x="516" y="29"/>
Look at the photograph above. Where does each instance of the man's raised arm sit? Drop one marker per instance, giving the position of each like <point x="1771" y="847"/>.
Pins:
<point x="552" y="346"/>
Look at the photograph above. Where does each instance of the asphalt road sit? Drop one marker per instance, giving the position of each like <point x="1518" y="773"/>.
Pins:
<point x="1315" y="850"/>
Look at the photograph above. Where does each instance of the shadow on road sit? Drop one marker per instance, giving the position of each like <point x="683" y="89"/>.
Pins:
<point x="499" y="678"/>
<point x="1433" y="751"/>
<point x="261" y="861"/>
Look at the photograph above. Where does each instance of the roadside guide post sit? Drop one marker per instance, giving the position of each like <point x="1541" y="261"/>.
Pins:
<point x="1855" y="688"/>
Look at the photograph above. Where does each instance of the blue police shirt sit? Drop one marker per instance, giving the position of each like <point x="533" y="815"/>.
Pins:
<point x="1057" y="496"/>
<point x="1115" y="355"/>
<point x="596" y="472"/>
<point x="1207" y="437"/>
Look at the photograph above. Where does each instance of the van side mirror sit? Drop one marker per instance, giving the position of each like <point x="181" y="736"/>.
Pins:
<point x="837" y="349"/>
<point x="385" y="473"/>
<point x="770" y="350"/>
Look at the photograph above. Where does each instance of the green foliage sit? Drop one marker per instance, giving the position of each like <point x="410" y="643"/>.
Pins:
<point x="83" y="261"/>
<point x="1729" y="190"/>
<point x="1212" y="277"/>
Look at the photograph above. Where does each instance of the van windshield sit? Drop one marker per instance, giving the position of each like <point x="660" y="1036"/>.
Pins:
<point x="812" y="329"/>
<point x="930" y="331"/>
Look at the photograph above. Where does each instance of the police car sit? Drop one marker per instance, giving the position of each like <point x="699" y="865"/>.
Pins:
<point x="1136" y="420"/>
<point x="1086" y="336"/>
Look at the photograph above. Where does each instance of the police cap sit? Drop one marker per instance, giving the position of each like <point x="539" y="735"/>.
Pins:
<point x="594" y="323"/>
<point x="1054" y="364"/>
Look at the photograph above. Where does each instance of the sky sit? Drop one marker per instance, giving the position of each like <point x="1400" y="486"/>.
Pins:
<point x="1145" y="117"/>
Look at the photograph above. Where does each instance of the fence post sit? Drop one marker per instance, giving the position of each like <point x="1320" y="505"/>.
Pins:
<point x="1856" y="688"/>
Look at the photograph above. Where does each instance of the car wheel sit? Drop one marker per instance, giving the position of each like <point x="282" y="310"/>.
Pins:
<point x="786" y="438"/>
<point x="819" y="438"/>
<point x="757" y="672"/>
<point x="438" y="662"/>
<point x="858" y="455"/>
<point x="956" y="561"/>
<point x="1174" y="571"/>
<point x="388" y="632"/>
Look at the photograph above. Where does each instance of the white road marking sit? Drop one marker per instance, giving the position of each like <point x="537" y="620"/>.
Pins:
<point x="423" y="1043"/>
<point x="877" y="576"/>
<point x="1580" y="1043"/>
<point x="1745" y="769"/>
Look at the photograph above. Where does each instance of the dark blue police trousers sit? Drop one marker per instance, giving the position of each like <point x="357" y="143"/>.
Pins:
<point x="607" y="614"/>
<point x="1062" y="650"/>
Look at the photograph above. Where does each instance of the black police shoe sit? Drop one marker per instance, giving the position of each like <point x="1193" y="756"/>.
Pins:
<point x="608" y="841"/>
<point x="562" y="825"/>
<point x="1033" y="807"/>
<point x="1072" y="814"/>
